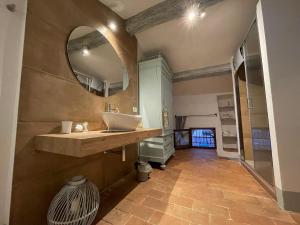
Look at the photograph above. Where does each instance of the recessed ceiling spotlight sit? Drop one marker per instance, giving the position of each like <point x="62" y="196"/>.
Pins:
<point x="202" y="14"/>
<point x="113" y="26"/>
<point x="192" y="13"/>
<point x="85" y="51"/>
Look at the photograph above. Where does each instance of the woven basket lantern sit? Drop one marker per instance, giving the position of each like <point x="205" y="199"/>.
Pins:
<point x="76" y="203"/>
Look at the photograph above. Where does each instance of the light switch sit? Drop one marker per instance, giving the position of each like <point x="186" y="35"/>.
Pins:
<point x="134" y="109"/>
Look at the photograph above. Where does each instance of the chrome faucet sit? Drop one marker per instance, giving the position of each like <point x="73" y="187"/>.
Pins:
<point x="111" y="108"/>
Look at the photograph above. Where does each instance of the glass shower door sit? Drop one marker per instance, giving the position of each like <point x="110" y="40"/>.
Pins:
<point x="257" y="105"/>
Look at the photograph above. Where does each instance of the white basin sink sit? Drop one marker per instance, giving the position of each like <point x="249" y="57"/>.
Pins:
<point x="121" y="122"/>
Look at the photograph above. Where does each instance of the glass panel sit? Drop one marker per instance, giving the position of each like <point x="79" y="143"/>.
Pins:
<point x="257" y="105"/>
<point x="245" y="128"/>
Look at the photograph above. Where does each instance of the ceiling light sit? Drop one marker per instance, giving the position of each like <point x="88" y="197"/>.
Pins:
<point x="202" y="14"/>
<point x="113" y="26"/>
<point x="192" y="13"/>
<point x="85" y="51"/>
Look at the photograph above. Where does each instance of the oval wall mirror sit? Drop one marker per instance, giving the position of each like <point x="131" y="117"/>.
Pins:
<point x="95" y="63"/>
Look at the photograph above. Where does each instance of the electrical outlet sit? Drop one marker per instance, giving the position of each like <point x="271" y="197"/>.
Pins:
<point x="134" y="109"/>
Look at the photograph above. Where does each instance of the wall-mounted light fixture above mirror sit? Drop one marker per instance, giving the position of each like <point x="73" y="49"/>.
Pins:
<point x="95" y="63"/>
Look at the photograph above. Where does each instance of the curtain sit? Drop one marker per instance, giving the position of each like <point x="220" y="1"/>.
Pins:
<point x="180" y="122"/>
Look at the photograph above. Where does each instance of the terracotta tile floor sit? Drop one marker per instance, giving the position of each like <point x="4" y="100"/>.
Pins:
<point x="197" y="188"/>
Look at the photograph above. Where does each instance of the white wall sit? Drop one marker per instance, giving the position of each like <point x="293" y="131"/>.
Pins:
<point x="199" y="96"/>
<point x="208" y="85"/>
<point x="279" y="31"/>
<point x="201" y="104"/>
<point x="11" y="50"/>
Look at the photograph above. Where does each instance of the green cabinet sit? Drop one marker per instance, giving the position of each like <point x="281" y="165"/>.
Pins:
<point x="155" y="106"/>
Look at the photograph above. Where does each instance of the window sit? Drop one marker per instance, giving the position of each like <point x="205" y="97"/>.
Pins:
<point x="182" y="138"/>
<point x="203" y="138"/>
<point x="195" y="138"/>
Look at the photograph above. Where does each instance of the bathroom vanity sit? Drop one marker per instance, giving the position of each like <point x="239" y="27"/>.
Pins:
<point x="91" y="142"/>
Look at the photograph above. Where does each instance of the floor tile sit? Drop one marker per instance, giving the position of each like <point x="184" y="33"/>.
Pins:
<point x="102" y="222"/>
<point x="159" y="218"/>
<point x="117" y="217"/>
<point x="156" y="194"/>
<point x="156" y="204"/>
<point x="178" y="200"/>
<point x="198" y="188"/>
<point x="248" y="218"/>
<point x="136" y="221"/>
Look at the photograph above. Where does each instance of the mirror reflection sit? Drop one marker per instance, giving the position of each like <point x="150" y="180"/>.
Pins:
<point x="95" y="63"/>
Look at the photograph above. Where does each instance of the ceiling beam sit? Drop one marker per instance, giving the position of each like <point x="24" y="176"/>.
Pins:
<point x="90" y="40"/>
<point x="163" y="12"/>
<point x="210" y="71"/>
